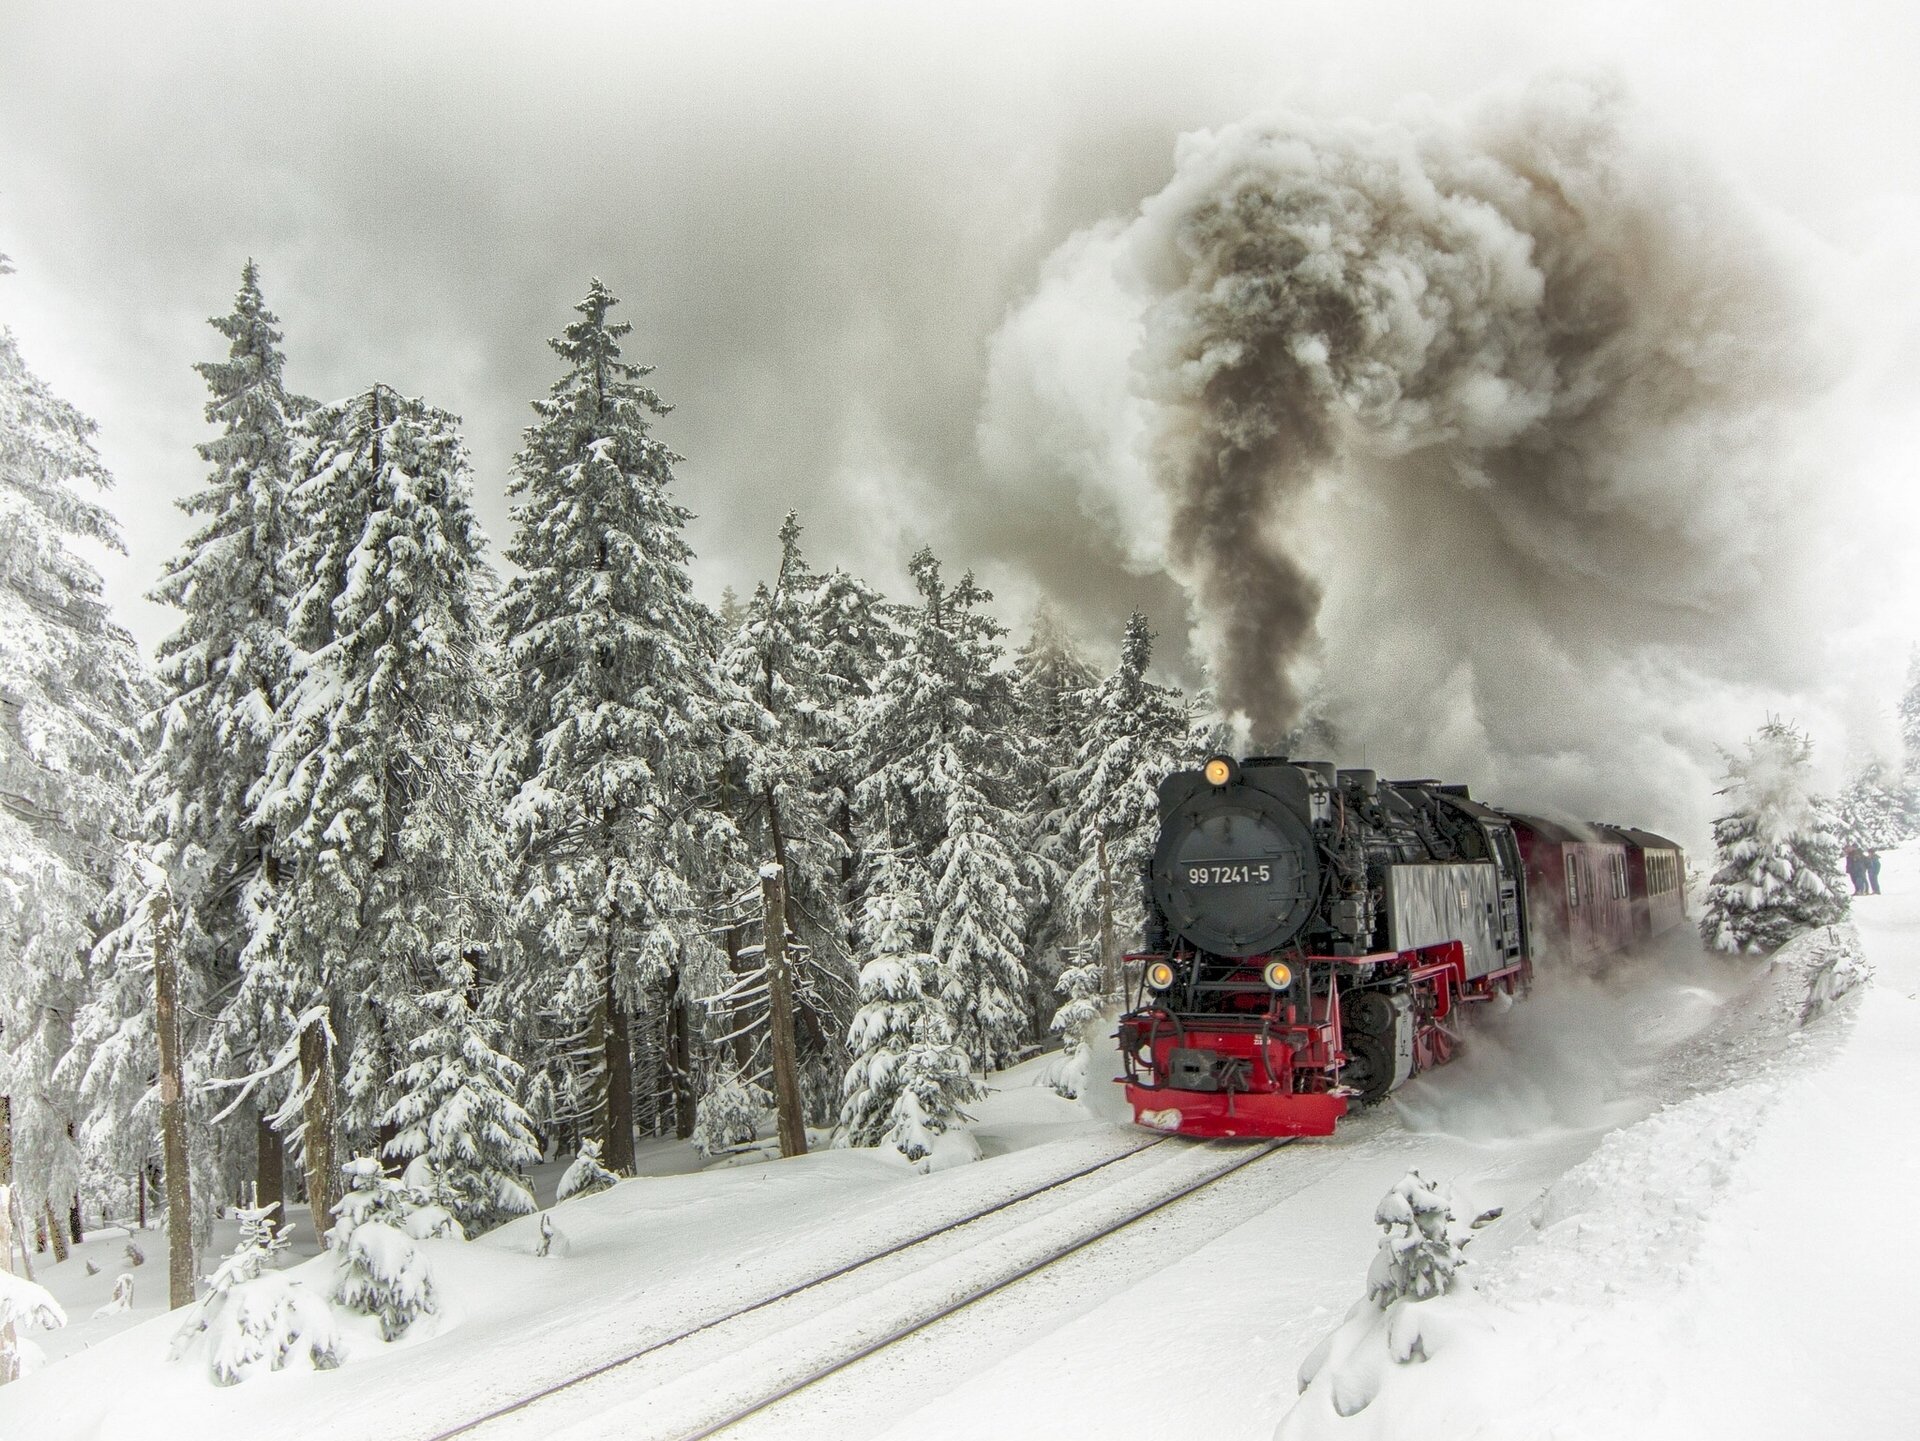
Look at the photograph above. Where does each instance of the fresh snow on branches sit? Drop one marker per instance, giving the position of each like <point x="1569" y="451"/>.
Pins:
<point x="1778" y="859"/>
<point x="585" y="1174"/>
<point x="381" y="1269"/>
<point x="254" y="1319"/>
<point x="1402" y="1319"/>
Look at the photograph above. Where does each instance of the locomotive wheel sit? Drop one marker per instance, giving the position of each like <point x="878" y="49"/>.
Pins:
<point x="1369" y="1012"/>
<point x="1369" y="1068"/>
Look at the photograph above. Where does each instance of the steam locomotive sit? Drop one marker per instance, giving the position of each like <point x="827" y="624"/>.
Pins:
<point x="1313" y="935"/>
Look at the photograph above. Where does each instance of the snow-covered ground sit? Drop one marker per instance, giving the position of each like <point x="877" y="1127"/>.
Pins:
<point x="1699" y="1238"/>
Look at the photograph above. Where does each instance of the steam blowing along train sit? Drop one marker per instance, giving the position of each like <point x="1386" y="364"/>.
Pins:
<point x="1312" y="932"/>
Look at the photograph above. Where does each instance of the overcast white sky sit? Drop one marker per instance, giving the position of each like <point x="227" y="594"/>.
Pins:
<point x="817" y="216"/>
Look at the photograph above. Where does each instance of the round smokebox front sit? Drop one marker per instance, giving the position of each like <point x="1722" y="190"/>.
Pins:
<point x="1235" y="872"/>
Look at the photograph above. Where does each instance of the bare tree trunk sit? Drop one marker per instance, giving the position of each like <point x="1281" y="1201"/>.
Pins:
<point x="20" y="1232"/>
<point x="173" y="1100"/>
<point x="789" y="1105"/>
<point x="619" y="1147"/>
<point x="269" y="1167"/>
<point x="316" y="1073"/>
<point x="1109" y="981"/>
<point x="56" y="1234"/>
<point x="9" y="1358"/>
<point x="9" y="1341"/>
<point x="679" y="1059"/>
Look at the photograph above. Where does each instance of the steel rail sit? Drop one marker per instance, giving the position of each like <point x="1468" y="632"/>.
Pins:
<point x="982" y="1292"/>
<point x="921" y="1239"/>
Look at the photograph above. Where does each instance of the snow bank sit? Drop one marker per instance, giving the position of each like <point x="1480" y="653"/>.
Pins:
<point x="1656" y="1264"/>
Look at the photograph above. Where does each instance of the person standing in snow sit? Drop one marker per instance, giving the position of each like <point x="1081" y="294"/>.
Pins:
<point x="1856" y="869"/>
<point x="1872" y="864"/>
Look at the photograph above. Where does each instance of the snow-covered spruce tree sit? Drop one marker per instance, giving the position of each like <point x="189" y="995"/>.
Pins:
<point x="255" y="1318"/>
<point x="379" y="1266"/>
<point x="908" y="1081"/>
<point x="1876" y="809"/>
<point x="1050" y="685"/>
<point x="1419" y="1256"/>
<point x="585" y="1174"/>
<point x="456" y="1108"/>
<point x="1135" y="733"/>
<point x="373" y="778"/>
<point x="220" y="676"/>
<point x="618" y="719"/>
<point x="854" y="629"/>
<point x="72" y="690"/>
<point x="1412" y="1309"/>
<point x="787" y="787"/>
<point x="942" y="766"/>
<point x="1083" y="985"/>
<point x="730" y="1113"/>
<point x="1778" y="862"/>
<point x="224" y="674"/>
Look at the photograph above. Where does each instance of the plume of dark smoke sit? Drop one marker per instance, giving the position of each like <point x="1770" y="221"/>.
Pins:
<point x="1567" y="344"/>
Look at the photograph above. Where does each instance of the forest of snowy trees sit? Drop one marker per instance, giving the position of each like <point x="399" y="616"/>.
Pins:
<point x="393" y="853"/>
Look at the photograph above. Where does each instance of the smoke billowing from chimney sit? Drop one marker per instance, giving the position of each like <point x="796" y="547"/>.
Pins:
<point x="1495" y="435"/>
<point x="1535" y="312"/>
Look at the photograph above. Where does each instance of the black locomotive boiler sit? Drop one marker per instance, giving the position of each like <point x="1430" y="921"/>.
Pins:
<point x="1311" y="933"/>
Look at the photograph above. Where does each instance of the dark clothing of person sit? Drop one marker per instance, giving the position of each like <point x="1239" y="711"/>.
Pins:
<point x="1873" y="872"/>
<point x="1857" y="870"/>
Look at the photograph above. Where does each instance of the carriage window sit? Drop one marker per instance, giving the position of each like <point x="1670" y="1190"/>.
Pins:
<point x="1573" y="882"/>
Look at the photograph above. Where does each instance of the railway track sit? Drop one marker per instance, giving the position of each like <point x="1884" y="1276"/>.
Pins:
<point x="716" y="1373"/>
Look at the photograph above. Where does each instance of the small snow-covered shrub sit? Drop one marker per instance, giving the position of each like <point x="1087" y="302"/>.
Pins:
<point x="1418" y="1256"/>
<point x="381" y="1269"/>
<point x="729" y="1115"/>
<point x="586" y="1174"/>
<point x="1406" y="1315"/>
<point x="1077" y="1015"/>
<point x="1838" y="966"/>
<point x="121" y="1299"/>
<point x="23" y="1304"/>
<point x="254" y="1319"/>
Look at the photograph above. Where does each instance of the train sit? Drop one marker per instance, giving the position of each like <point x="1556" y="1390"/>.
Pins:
<point x="1314" y="935"/>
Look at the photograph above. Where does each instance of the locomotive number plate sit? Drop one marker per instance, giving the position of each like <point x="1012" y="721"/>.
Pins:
<point x="1229" y="873"/>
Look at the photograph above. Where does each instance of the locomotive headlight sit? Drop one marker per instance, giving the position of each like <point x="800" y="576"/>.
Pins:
<point x="1218" y="771"/>
<point x="1279" y="975"/>
<point x="1159" y="976"/>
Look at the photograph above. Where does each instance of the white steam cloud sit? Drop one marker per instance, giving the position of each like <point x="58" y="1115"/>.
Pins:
<point x="1490" y="440"/>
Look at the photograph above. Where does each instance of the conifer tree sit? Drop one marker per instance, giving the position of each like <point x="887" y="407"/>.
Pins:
<point x="907" y="1081"/>
<point x="221" y="674"/>
<point x="373" y="785"/>
<point x="1876" y="809"/>
<point x="619" y="715"/>
<point x="457" y="1109"/>
<point x="790" y="779"/>
<point x="1051" y="682"/>
<point x="1778" y="860"/>
<point x="942" y="770"/>
<point x="1135" y="734"/>
<point x="72" y="691"/>
<point x="853" y="629"/>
